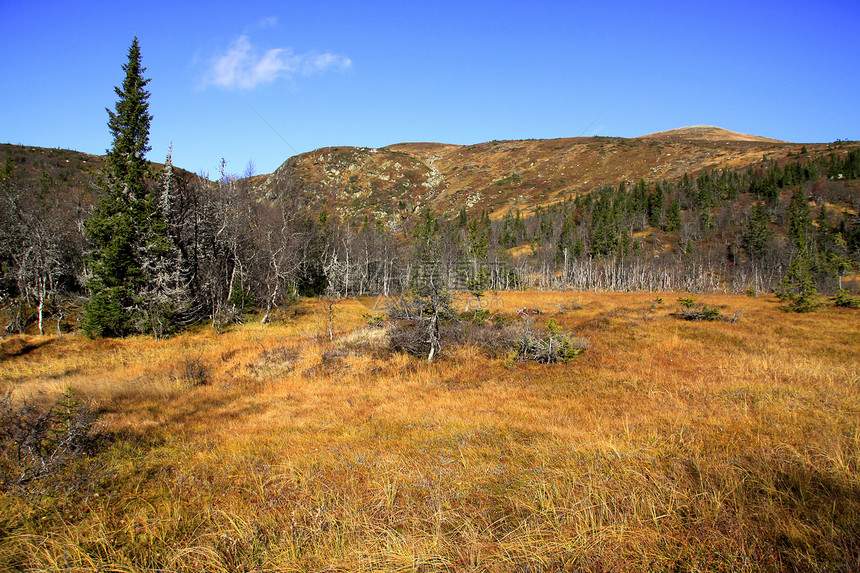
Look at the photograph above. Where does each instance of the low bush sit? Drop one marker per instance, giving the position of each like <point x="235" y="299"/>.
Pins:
<point x="687" y="302"/>
<point x="37" y="443"/>
<point x="194" y="371"/>
<point x="520" y="341"/>
<point x="845" y="300"/>
<point x="692" y="310"/>
<point x="555" y="345"/>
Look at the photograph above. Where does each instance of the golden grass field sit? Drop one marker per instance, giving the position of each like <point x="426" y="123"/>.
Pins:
<point x="668" y="445"/>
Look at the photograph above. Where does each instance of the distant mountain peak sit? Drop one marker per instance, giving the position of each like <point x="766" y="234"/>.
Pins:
<point x="707" y="133"/>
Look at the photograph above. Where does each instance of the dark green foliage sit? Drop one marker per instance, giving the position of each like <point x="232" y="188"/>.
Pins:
<point x="578" y="247"/>
<point x="604" y="231"/>
<point x="479" y="238"/>
<point x="799" y="220"/>
<point x="106" y="314"/>
<point x="844" y="167"/>
<point x="312" y="282"/>
<point x="129" y="126"/>
<point x="656" y="201"/>
<point x="757" y="237"/>
<point x="764" y="186"/>
<point x="479" y="316"/>
<point x="241" y="297"/>
<point x="478" y="284"/>
<point x="126" y="228"/>
<point x="639" y="199"/>
<point x="673" y="217"/>
<point x="798" y="287"/>
<point x="693" y="310"/>
<point x="704" y="312"/>
<point x="846" y="300"/>
<point x="513" y="230"/>
<point x="705" y="199"/>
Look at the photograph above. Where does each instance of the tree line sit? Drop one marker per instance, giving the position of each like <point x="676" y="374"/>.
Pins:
<point x="163" y="249"/>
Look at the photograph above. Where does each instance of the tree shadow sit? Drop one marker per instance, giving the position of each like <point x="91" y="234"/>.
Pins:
<point x="16" y="348"/>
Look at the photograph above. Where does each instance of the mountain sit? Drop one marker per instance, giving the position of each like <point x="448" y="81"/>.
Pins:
<point x="706" y="133"/>
<point x="393" y="183"/>
<point x="44" y="168"/>
<point x="498" y="176"/>
<point x="68" y="173"/>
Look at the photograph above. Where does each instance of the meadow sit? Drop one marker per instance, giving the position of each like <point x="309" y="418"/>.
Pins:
<point x="668" y="445"/>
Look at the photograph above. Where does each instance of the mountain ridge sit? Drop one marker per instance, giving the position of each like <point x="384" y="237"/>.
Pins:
<point x="707" y="133"/>
<point x="394" y="181"/>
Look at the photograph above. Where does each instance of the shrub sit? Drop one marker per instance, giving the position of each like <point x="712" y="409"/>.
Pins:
<point x="798" y="288"/>
<point x="194" y="371"/>
<point x="844" y="299"/>
<point x="478" y="316"/>
<point x="687" y="302"/>
<point x="498" y="337"/>
<point x="413" y="336"/>
<point x="695" y="311"/>
<point x="373" y="320"/>
<point x="421" y="311"/>
<point x="37" y="443"/>
<point x="807" y="301"/>
<point x="554" y="346"/>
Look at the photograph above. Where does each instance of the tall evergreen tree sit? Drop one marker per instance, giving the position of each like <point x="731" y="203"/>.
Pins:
<point x="757" y="237"/>
<point x="118" y="225"/>
<point x="673" y="217"/>
<point x="656" y="201"/>
<point x="799" y="220"/>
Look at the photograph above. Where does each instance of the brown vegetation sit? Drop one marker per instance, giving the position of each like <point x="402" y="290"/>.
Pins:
<point x="500" y="176"/>
<point x="667" y="445"/>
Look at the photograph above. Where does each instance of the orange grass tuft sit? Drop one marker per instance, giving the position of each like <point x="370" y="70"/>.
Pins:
<point x="668" y="444"/>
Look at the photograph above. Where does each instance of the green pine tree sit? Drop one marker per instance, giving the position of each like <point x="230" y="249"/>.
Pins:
<point x="656" y="202"/>
<point x="798" y="288"/>
<point x="757" y="238"/>
<point x="118" y="225"/>
<point x="799" y="220"/>
<point x="673" y="217"/>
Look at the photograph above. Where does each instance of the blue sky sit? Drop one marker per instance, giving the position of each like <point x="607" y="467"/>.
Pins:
<point x="226" y="76"/>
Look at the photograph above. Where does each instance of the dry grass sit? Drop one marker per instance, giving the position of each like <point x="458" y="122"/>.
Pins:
<point x="668" y="445"/>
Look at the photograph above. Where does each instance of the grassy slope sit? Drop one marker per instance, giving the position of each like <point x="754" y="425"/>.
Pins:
<point x="667" y="445"/>
<point x="500" y="176"/>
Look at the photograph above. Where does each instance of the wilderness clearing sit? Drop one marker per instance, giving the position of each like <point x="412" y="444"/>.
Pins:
<point x="668" y="444"/>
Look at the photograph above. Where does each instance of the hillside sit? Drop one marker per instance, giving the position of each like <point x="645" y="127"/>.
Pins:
<point x="499" y="176"/>
<point x="707" y="133"/>
<point x="496" y="177"/>
<point x="65" y="173"/>
<point x="44" y="168"/>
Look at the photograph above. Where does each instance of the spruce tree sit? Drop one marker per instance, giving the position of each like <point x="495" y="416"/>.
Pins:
<point x="673" y="217"/>
<point x="117" y="227"/>
<point x="757" y="237"/>
<point x="799" y="221"/>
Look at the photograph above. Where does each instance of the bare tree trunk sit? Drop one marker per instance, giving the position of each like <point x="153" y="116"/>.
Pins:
<point x="41" y="313"/>
<point x="433" y="330"/>
<point x="59" y="323"/>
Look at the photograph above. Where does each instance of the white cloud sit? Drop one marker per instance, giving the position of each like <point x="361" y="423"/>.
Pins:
<point x="243" y="67"/>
